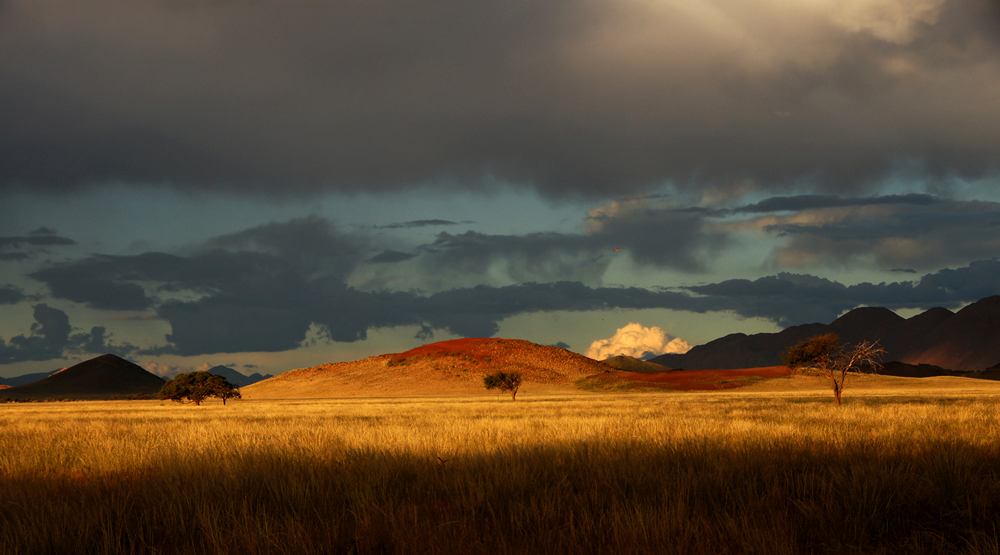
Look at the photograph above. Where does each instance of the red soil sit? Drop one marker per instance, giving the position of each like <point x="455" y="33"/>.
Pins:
<point x="699" y="379"/>
<point x="474" y="347"/>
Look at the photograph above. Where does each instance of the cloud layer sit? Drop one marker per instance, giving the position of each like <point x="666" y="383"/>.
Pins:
<point x="263" y="289"/>
<point x="598" y="97"/>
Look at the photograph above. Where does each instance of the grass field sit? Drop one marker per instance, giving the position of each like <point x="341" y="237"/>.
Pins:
<point x="901" y="470"/>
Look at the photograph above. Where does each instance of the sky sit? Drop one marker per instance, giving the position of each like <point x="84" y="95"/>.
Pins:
<point x="273" y="185"/>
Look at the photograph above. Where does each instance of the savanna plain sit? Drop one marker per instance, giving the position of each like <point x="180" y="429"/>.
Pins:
<point x="896" y="469"/>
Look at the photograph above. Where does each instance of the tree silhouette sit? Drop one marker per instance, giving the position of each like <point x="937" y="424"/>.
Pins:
<point x="504" y="381"/>
<point x="198" y="386"/>
<point x="824" y="356"/>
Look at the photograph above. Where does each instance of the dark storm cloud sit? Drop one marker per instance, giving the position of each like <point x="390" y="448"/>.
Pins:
<point x="98" y="341"/>
<point x="658" y="234"/>
<point x="51" y="338"/>
<point x="99" y="281"/>
<point x="812" y="202"/>
<point x="306" y="244"/>
<point x="389" y="257"/>
<point x="898" y="232"/>
<point x="11" y="295"/>
<point x="594" y="97"/>
<point x="791" y="299"/>
<point x="238" y="261"/>
<point x="265" y="288"/>
<point x="420" y="223"/>
<point x="260" y="311"/>
<point x="650" y="231"/>
<point x="535" y="256"/>
<point x="33" y="244"/>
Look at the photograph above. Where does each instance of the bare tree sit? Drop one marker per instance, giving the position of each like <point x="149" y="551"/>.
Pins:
<point x="824" y="356"/>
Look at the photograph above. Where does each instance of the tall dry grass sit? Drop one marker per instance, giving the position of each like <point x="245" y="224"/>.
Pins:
<point x="639" y="473"/>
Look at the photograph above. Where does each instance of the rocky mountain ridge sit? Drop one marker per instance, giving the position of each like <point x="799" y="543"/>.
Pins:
<point x="963" y="341"/>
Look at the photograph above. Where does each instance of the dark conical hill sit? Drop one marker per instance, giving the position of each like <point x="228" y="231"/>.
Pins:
<point x="869" y="323"/>
<point x="104" y="377"/>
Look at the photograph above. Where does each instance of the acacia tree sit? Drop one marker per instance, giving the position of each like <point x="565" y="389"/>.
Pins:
<point x="504" y="381"/>
<point x="824" y="355"/>
<point x="198" y="386"/>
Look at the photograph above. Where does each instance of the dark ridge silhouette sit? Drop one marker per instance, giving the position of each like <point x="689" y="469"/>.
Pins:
<point x="25" y="378"/>
<point x="739" y="350"/>
<point x="862" y="324"/>
<point x="104" y="377"/>
<point x="966" y="341"/>
<point x="236" y="377"/>
<point x="912" y="334"/>
<point x="969" y="340"/>
<point x="904" y="370"/>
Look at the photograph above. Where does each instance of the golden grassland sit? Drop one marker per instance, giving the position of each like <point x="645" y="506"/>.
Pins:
<point x="901" y="467"/>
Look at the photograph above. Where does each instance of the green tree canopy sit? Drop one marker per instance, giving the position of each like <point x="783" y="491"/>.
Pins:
<point x="195" y="387"/>
<point x="504" y="381"/>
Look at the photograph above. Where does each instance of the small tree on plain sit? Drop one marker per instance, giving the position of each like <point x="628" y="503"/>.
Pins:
<point x="504" y="381"/>
<point x="824" y="356"/>
<point x="198" y="386"/>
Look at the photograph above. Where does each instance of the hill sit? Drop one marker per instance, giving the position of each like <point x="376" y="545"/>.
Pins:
<point x="104" y="377"/>
<point x="966" y="341"/>
<point x="238" y="378"/>
<point x="626" y="363"/>
<point x="452" y="367"/>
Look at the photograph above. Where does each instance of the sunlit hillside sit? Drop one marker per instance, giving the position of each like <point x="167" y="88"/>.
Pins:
<point x="452" y="367"/>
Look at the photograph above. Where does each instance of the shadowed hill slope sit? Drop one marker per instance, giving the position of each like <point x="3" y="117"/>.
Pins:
<point x="445" y="368"/>
<point x="103" y="377"/>
<point x="631" y="364"/>
<point x="966" y="341"/>
<point x="969" y="340"/>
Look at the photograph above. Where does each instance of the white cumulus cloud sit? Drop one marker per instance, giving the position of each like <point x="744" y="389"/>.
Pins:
<point x="637" y="340"/>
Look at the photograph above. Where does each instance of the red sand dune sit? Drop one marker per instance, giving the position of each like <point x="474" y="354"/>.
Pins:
<point x="699" y="379"/>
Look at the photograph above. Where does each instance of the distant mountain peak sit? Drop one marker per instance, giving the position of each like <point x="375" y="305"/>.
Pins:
<point x="237" y="378"/>
<point x="968" y="340"/>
